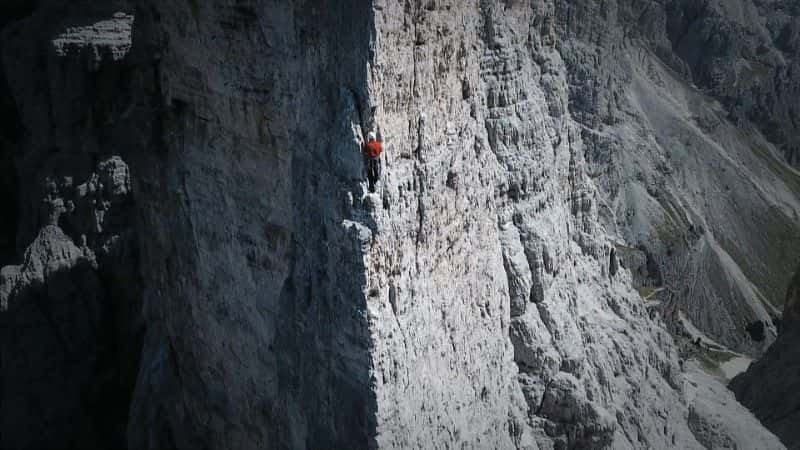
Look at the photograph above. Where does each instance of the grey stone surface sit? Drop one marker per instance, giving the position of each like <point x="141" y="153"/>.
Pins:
<point x="684" y="176"/>
<point x="212" y="175"/>
<point x="524" y="222"/>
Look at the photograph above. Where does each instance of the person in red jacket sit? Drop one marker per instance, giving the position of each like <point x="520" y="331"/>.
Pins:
<point x="372" y="152"/>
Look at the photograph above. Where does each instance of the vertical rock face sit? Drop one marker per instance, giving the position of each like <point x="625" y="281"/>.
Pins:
<point x="770" y="386"/>
<point x="255" y="282"/>
<point x="192" y="171"/>
<point x="750" y="54"/>
<point x="496" y="322"/>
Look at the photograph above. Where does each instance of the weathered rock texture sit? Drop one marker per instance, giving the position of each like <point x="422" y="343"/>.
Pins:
<point x="71" y="309"/>
<point x="700" y="196"/>
<point x="495" y="318"/>
<point x="208" y="169"/>
<point x="770" y="386"/>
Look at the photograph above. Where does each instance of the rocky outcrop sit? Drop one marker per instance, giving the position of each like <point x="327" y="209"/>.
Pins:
<point x="70" y="320"/>
<point x="106" y="39"/>
<point x="71" y="308"/>
<point x="207" y="168"/>
<point x="770" y="386"/>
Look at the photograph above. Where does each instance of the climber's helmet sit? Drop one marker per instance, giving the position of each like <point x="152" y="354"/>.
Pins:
<point x="371" y="136"/>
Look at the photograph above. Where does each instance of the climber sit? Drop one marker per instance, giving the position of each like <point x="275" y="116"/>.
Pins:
<point x="372" y="155"/>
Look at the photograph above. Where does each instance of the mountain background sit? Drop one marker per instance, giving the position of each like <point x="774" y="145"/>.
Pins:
<point x="587" y="224"/>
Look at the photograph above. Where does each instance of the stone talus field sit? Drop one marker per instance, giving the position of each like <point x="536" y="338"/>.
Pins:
<point x="194" y="261"/>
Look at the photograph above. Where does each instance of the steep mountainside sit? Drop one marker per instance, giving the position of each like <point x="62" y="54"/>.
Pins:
<point x="707" y="212"/>
<point x="194" y="261"/>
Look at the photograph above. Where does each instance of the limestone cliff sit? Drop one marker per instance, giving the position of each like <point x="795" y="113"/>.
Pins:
<point x="191" y="210"/>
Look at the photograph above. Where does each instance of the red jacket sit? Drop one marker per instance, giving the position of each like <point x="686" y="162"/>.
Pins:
<point x="373" y="149"/>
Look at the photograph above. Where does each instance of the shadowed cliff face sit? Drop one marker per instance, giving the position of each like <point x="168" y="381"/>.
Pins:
<point x="191" y="198"/>
<point x="255" y="279"/>
<point x="223" y="135"/>
<point x="11" y="131"/>
<point x="770" y="386"/>
<point x="70" y="287"/>
<point x="9" y="137"/>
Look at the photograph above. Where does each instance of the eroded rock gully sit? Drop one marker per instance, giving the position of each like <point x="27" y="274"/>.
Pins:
<point x="191" y="204"/>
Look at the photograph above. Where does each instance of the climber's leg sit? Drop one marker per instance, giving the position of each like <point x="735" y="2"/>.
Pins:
<point x="370" y="175"/>
<point x="373" y="172"/>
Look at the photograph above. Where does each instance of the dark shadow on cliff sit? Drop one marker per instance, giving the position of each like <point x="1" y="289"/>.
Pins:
<point x="257" y="332"/>
<point x="11" y="131"/>
<point x="70" y="343"/>
<point x="324" y="301"/>
<point x="66" y="371"/>
<point x="770" y="387"/>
